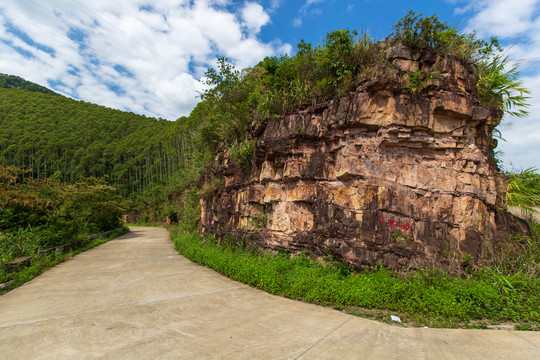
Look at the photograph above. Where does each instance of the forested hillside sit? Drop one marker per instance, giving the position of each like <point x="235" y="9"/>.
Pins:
<point x="16" y="82"/>
<point x="52" y="135"/>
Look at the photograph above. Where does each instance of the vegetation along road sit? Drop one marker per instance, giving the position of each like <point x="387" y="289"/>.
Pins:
<point x="136" y="298"/>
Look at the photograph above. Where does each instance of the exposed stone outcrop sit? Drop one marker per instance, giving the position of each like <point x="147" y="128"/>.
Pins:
<point x="384" y="174"/>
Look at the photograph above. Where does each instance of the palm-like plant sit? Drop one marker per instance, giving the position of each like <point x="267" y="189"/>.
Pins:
<point x="498" y="84"/>
<point x="523" y="190"/>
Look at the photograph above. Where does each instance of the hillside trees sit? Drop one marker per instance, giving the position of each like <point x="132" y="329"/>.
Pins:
<point x="12" y="81"/>
<point x="70" y="140"/>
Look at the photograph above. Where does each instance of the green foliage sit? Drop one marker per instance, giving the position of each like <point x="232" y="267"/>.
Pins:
<point x="191" y="211"/>
<point x="421" y="33"/>
<point x="21" y="242"/>
<point x="398" y="236"/>
<point x="60" y="138"/>
<point x="243" y="152"/>
<point x="25" y="201"/>
<point x="221" y="80"/>
<point x="89" y="206"/>
<point x="259" y="221"/>
<point x="498" y="85"/>
<point x="45" y="212"/>
<point x="211" y="188"/>
<point x="523" y="190"/>
<point x="429" y="296"/>
<point x="417" y="80"/>
<point x="15" y="82"/>
<point x="228" y="106"/>
<point x="315" y="73"/>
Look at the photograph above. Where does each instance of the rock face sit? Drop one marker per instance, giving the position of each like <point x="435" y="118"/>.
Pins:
<point x="390" y="174"/>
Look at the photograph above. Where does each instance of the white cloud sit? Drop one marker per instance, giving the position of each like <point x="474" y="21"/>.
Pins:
<point x="147" y="57"/>
<point x="303" y="12"/>
<point x="311" y="2"/>
<point x="274" y="4"/>
<point x="308" y="4"/>
<point x="517" y="25"/>
<point x="504" y="17"/>
<point x="254" y="17"/>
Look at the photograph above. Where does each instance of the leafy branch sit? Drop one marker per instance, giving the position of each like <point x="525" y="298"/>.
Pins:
<point x="523" y="190"/>
<point x="498" y="85"/>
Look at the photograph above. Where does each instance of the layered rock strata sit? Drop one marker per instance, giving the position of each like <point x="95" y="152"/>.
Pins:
<point x="392" y="174"/>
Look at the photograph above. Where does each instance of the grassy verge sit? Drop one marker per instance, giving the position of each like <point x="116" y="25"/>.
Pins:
<point x="40" y="265"/>
<point x="427" y="297"/>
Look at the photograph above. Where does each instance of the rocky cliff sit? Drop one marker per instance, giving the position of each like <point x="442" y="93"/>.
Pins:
<point x="399" y="171"/>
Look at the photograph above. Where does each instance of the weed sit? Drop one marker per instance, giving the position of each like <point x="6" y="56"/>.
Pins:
<point x="242" y="152"/>
<point x="527" y="327"/>
<point x="417" y="80"/>
<point x="399" y="236"/>
<point x="523" y="190"/>
<point x="22" y="242"/>
<point x="211" y="188"/>
<point x="259" y="221"/>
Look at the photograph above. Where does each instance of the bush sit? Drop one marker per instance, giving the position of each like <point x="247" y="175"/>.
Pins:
<point x="21" y="242"/>
<point x="54" y="212"/>
<point x="422" y="33"/>
<point x="242" y="152"/>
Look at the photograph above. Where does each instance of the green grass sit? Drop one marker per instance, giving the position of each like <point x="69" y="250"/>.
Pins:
<point x="40" y="265"/>
<point x="424" y="297"/>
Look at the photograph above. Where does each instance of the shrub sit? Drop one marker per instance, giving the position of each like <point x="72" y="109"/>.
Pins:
<point x="242" y="152"/>
<point x="498" y="85"/>
<point x="21" y="242"/>
<point x="58" y="212"/>
<point x="421" y="33"/>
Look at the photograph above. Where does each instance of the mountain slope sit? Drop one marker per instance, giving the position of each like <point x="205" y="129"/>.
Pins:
<point x="16" y="82"/>
<point x="55" y="135"/>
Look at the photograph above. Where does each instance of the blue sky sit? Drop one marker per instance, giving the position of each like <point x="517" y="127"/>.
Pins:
<point x="150" y="56"/>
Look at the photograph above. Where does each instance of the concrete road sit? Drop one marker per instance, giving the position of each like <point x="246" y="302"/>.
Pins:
<point x="136" y="298"/>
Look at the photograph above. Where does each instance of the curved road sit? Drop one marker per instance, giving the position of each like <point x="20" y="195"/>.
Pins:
<point x="136" y="298"/>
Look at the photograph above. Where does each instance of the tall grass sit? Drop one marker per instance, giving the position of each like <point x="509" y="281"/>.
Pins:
<point x="21" y="242"/>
